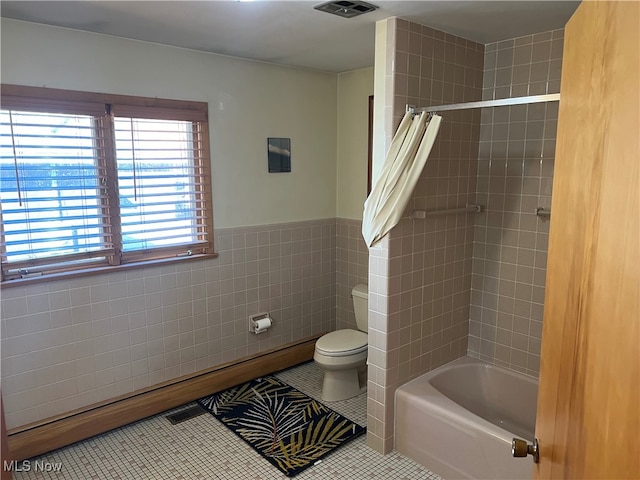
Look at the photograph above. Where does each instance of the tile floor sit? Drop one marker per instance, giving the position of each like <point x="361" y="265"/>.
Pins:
<point x="202" y="448"/>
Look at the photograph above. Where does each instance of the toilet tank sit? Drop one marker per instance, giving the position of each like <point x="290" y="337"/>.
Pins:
<point x="360" y="295"/>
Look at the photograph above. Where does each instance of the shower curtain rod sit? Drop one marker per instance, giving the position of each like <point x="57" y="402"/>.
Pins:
<point x="551" y="97"/>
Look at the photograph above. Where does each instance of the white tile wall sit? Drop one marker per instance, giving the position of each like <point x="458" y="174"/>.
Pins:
<point x="352" y="268"/>
<point x="69" y="343"/>
<point x="421" y="277"/>
<point x="515" y="174"/>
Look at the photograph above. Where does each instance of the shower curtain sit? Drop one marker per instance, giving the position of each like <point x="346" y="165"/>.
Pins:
<point x="394" y="186"/>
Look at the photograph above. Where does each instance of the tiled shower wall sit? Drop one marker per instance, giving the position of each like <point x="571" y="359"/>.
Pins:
<point x="421" y="272"/>
<point x="515" y="174"/>
<point x="70" y="343"/>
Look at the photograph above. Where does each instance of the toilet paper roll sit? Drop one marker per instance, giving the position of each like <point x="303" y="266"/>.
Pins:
<point x="262" y="325"/>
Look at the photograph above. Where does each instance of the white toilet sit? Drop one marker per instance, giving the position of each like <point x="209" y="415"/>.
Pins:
<point x="343" y="354"/>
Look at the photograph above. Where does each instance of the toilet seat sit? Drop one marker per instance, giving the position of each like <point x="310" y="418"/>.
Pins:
<point x="342" y="343"/>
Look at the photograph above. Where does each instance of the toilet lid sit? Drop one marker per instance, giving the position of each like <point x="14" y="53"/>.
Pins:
<point x="342" y="342"/>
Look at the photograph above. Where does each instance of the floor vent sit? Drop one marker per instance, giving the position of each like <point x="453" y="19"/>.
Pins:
<point x="346" y="8"/>
<point x="186" y="414"/>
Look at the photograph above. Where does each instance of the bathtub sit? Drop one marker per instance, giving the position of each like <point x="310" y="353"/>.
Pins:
<point x="458" y="420"/>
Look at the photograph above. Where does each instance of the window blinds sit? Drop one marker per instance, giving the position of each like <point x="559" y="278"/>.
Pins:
<point x="52" y="197"/>
<point x="159" y="184"/>
<point x="86" y="183"/>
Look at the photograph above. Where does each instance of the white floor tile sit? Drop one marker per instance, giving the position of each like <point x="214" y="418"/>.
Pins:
<point x="202" y="448"/>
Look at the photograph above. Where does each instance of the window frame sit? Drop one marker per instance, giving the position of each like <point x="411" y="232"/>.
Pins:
<point x="49" y="100"/>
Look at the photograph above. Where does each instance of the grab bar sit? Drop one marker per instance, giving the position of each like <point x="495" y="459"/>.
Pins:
<point x="449" y="211"/>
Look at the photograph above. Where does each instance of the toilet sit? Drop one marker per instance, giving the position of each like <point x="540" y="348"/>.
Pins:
<point x="343" y="354"/>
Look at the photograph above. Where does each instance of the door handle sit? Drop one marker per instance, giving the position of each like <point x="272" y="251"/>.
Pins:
<point x="520" y="448"/>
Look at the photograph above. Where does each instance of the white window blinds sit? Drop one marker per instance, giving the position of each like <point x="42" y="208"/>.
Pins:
<point x="159" y="184"/>
<point x="52" y="195"/>
<point x="82" y="185"/>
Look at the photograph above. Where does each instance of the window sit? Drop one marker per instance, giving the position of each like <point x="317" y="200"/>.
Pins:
<point x="90" y="180"/>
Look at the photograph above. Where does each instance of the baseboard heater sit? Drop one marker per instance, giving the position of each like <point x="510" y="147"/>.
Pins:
<point x="56" y="432"/>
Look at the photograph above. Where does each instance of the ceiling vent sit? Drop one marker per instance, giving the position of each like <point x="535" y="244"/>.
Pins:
<point x="346" y="8"/>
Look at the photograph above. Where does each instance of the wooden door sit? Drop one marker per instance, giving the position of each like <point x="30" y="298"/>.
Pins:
<point x="588" y="406"/>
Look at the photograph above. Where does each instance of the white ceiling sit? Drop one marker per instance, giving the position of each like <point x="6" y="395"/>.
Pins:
<point x="289" y="32"/>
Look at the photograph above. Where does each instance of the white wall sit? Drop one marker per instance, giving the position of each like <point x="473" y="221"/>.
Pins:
<point x="383" y="88"/>
<point x="80" y="341"/>
<point x="354" y="89"/>
<point x="248" y="102"/>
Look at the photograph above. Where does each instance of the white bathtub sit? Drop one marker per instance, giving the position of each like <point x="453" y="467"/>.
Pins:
<point x="458" y="420"/>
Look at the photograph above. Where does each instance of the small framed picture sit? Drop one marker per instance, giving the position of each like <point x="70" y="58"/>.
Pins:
<point x="279" y="154"/>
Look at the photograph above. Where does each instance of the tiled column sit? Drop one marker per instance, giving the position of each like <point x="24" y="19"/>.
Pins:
<point x="420" y="274"/>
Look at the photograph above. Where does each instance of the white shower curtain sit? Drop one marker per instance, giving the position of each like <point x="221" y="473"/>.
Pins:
<point x="394" y="186"/>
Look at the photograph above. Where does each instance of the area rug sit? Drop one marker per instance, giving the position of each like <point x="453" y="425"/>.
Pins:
<point x="288" y="428"/>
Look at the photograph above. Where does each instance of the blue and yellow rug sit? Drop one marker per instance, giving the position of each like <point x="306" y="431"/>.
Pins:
<point x="288" y="428"/>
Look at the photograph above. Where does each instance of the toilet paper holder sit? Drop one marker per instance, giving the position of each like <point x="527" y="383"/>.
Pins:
<point x="259" y="322"/>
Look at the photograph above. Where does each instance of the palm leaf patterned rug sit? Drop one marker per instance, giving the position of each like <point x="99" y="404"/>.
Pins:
<point x="288" y="428"/>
